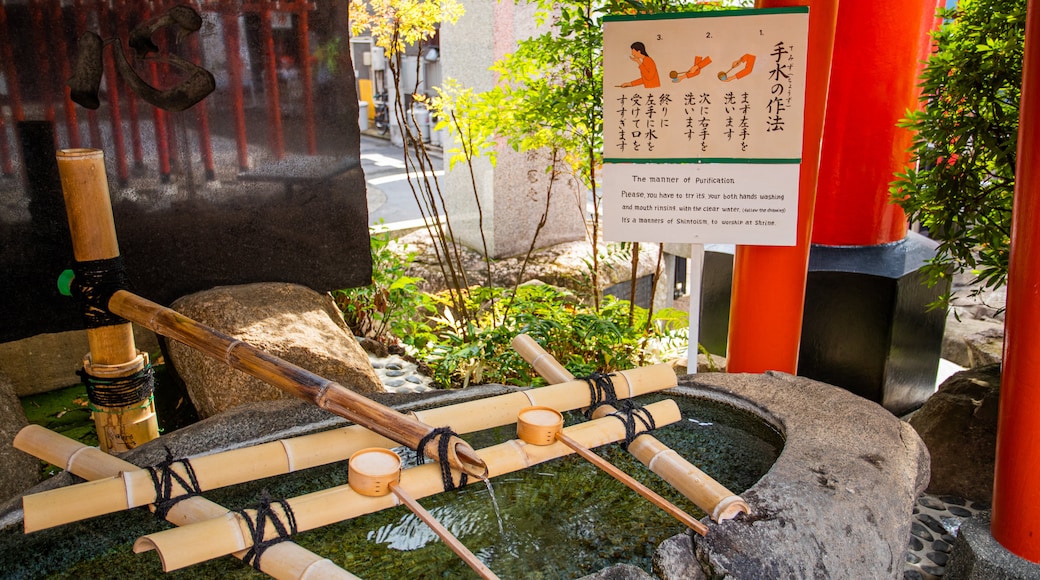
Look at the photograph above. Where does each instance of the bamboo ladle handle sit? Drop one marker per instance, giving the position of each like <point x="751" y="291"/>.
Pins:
<point x="639" y="488"/>
<point x="445" y="534"/>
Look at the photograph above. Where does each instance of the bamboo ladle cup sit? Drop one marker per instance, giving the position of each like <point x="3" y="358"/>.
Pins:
<point x="544" y="426"/>
<point x="377" y="471"/>
<point x="704" y="491"/>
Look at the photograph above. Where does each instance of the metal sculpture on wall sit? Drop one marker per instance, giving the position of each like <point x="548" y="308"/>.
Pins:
<point x="232" y="149"/>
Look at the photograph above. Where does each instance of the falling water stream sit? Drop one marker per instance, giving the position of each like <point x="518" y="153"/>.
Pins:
<point x="494" y="503"/>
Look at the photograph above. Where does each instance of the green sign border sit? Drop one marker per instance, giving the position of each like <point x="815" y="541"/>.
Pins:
<point x="708" y="14"/>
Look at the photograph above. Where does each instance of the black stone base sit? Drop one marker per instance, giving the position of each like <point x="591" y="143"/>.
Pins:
<point x="977" y="555"/>
<point x="867" y="325"/>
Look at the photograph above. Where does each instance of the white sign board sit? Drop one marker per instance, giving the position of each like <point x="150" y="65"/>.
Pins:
<point x="703" y="116"/>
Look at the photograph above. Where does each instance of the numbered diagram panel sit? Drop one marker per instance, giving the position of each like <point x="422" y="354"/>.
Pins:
<point x="707" y="86"/>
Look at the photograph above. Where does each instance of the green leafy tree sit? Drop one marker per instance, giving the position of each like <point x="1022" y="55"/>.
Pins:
<point x="966" y="138"/>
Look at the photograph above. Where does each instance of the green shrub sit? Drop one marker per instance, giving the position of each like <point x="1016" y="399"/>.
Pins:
<point x="966" y="139"/>
<point x="582" y="339"/>
<point x="389" y="307"/>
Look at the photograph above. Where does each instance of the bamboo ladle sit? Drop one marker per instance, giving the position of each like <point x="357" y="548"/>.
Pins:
<point x="544" y="426"/>
<point x="704" y="491"/>
<point x="377" y="471"/>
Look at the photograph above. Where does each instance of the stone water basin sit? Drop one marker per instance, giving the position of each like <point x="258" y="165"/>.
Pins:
<point x="833" y="502"/>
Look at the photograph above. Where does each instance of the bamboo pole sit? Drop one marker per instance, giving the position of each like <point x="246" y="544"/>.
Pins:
<point x="705" y="492"/>
<point x="285" y="561"/>
<point x="113" y="354"/>
<point x="189" y="545"/>
<point x="300" y="382"/>
<point x="135" y="488"/>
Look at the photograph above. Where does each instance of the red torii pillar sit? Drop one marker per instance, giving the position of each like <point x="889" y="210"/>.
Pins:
<point x="1015" y="520"/>
<point x="769" y="281"/>
<point x="865" y="269"/>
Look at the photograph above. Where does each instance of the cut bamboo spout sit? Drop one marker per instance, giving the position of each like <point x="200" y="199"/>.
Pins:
<point x="700" y="488"/>
<point x="324" y="393"/>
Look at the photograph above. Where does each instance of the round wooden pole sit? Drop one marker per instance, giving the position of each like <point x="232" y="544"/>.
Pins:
<point x="113" y="354"/>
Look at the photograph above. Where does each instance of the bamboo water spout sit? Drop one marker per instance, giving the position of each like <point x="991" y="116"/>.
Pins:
<point x="113" y="353"/>
<point x="324" y="393"/>
<point x="700" y="488"/>
<point x="285" y="561"/>
<point x="135" y="488"/>
<point x="189" y="545"/>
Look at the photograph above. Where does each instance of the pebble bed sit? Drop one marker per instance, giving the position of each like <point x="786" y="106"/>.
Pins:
<point x="936" y="522"/>
<point x="399" y="376"/>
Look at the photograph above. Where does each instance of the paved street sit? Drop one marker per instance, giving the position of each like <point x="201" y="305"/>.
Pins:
<point x="390" y="197"/>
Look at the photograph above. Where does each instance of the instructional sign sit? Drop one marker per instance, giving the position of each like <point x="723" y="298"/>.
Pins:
<point x="703" y="116"/>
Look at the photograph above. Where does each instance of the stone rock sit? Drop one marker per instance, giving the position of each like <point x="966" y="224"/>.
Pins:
<point x="564" y="265"/>
<point x="676" y="560"/>
<point x="959" y="425"/>
<point x="289" y="321"/>
<point x="18" y="470"/>
<point x="973" y="342"/>
<point x="838" y="501"/>
<point x="45" y="362"/>
<point x="620" y="572"/>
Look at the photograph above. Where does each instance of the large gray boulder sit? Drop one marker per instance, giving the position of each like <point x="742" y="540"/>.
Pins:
<point x="18" y="471"/>
<point x="959" y="425"/>
<point x="838" y="501"/>
<point x="289" y="321"/>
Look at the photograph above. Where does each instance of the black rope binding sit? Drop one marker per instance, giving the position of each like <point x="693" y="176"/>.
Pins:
<point x="163" y="478"/>
<point x="629" y="413"/>
<point x="95" y="283"/>
<point x="119" y="391"/>
<point x="257" y="527"/>
<point x="445" y="434"/>
<point x="601" y="391"/>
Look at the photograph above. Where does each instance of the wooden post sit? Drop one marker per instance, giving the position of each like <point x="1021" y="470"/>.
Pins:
<point x="1015" y="521"/>
<point x="113" y="354"/>
<point x="765" y="323"/>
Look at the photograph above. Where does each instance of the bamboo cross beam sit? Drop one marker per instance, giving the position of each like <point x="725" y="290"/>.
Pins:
<point x="285" y="561"/>
<point x="704" y="491"/>
<point x="300" y="382"/>
<point x="196" y="543"/>
<point x="135" y="488"/>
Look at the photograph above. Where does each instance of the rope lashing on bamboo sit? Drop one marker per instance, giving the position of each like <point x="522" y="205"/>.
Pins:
<point x="264" y="513"/>
<point x="601" y="391"/>
<point x="125" y="391"/>
<point x="95" y="283"/>
<point x="443" y="435"/>
<point x="629" y="413"/>
<point x="163" y="477"/>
